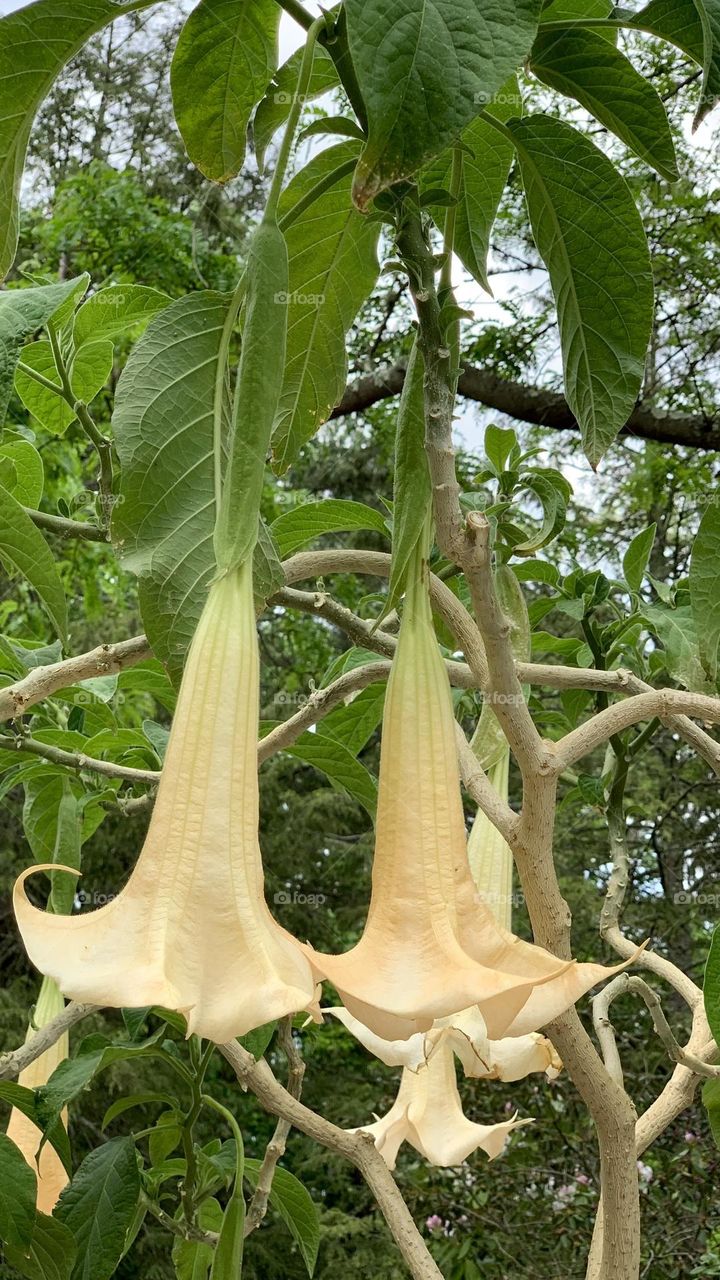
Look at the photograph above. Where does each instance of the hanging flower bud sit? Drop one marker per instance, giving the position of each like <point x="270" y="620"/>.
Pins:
<point x="191" y="930"/>
<point x="51" y="1174"/>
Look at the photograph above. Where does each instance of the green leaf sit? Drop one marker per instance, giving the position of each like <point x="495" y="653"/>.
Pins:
<point x="224" y="58"/>
<point x="499" y="443"/>
<point x="411" y="491"/>
<point x="23" y="548"/>
<point x="694" y="27"/>
<point x="27" y="479"/>
<point x="635" y="560"/>
<point x="711" y="986"/>
<point x="339" y="765"/>
<point x="332" y="251"/>
<point x="274" y="108"/>
<point x="425" y="70"/>
<point x="353" y="725"/>
<point x="704" y="589"/>
<point x="18" y="1191"/>
<point x="99" y="1205"/>
<point x="135" y="1100"/>
<point x="193" y="1261"/>
<point x="163" y="424"/>
<point x="89" y="371"/>
<point x="570" y="10"/>
<point x="675" y="629"/>
<point x="295" y="528"/>
<point x="296" y="1208"/>
<point x="486" y="163"/>
<point x="75" y="1074"/>
<point x="111" y="312"/>
<point x="54" y="832"/>
<point x="553" y="500"/>
<point x="591" y="238"/>
<point x="22" y="311"/>
<point x="256" y="1042"/>
<point x="35" y="44"/>
<point x="711" y="1102"/>
<point x="51" y="1255"/>
<point x="16" y="1095"/>
<point x="341" y="126"/>
<point x="581" y="65"/>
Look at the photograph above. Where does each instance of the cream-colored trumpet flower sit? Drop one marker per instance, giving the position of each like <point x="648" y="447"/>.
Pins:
<point x="191" y="930"/>
<point x="51" y="1174"/>
<point x="431" y="946"/>
<point x="428" y="1114"/>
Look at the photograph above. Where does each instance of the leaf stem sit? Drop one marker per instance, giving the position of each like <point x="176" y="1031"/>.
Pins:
<point x="299" y="96"/>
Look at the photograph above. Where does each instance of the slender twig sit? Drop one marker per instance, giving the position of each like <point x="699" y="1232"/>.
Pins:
<point x="11" y="1064"/>
<point x="276" y="1146"/>
<point x="42" y="682"/>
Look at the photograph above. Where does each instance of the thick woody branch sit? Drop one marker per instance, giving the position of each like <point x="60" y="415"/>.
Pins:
<point x="41" y="682"/>
<point x="358" y="1148"/>
<point x="660" y="703"/>
<point x="537" y="406"/>
<point x="11" y="1064"/>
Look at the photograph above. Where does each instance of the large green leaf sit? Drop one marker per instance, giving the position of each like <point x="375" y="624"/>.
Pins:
<point x="296" y="1207"/>
<point x="635" y="560"/>
<point x="22" y="311"/>
<point x="18" y="1189"/>
<point x="340" y="766"/>
<point x="89" y="371"/>
<point x="22" y="472"/>
<point x="333" y="267"/>
<point x="163" y="423"/>
<point x="111" y="312"/>
<point x="274" y="108"/>
<point x="591" y="238"/>
<point x="355" y="723"/>
<point x="704" y="588"/>
<point x="676" y="631"/>
<point x="23" y="548"/>
<point x="224" y="58"/>
<point x="99" y="1206"/>
<point x="51" y="1254"/>
<point x="694" y="26"/>
<point x="295" y="528"/>
<point x="35" y="44"/>
<point x="486" y="161"/>
<point x="425" y="69"/>
<point x="584" y="66"/>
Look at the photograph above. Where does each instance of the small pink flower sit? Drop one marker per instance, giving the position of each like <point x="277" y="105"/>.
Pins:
<point x="434" y="1223"/>
<point x="583" y="1179"/>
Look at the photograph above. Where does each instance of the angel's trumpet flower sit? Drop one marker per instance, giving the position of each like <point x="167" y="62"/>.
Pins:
<point x="51" y="1174"/>
<point x="191" y="930"/>
<point x="431" y="946"/>
<point x="428" y="1114"/>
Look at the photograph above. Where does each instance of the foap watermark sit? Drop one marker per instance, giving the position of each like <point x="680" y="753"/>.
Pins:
<point x="285" y="898"/>
<point x="686" y="898"/>
<point x="94" y="899"/>
<point x="300" y="299"/>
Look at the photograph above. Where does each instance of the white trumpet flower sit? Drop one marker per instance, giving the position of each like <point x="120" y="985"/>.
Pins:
<point x="191" y="930"/>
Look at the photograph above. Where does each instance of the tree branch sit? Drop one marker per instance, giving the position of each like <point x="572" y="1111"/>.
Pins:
<point x="41" y="682"/>
<point x="11" y="1064"/>
<point x="535" y="405"/>
<point x="358" y="1148"/>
